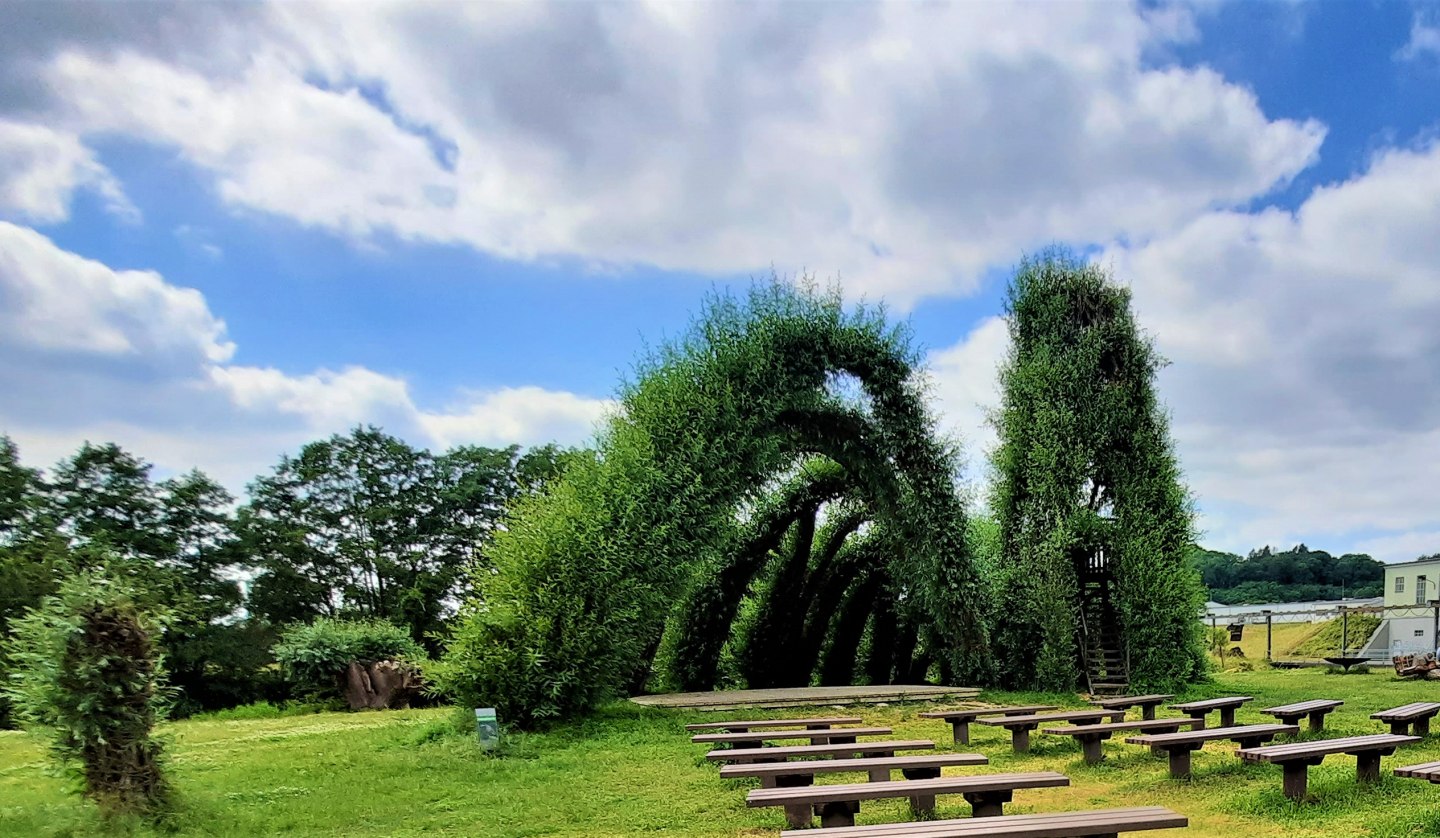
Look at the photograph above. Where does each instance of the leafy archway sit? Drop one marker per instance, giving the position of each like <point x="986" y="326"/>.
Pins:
<point x="586" y="574"/>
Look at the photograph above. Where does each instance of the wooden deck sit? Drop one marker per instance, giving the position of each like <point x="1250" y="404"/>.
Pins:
<point x="805" y="697"/>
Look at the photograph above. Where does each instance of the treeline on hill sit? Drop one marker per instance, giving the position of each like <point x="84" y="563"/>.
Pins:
<point x="360" y="525"/>
<point x="1295" y="575"/>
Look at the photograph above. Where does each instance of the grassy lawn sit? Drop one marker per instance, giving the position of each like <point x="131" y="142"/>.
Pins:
<point x="630" y="771"/>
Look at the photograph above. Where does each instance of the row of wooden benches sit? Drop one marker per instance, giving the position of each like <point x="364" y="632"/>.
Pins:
<point x="832" y="749"/>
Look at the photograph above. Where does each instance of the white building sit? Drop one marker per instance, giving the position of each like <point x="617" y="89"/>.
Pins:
<point x="1412" y="604"/>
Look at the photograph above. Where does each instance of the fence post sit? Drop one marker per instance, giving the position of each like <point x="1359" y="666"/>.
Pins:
<point x="1215" y="638"/>
<point x="1267" y="633"/>
<point x="1344" y="632"/>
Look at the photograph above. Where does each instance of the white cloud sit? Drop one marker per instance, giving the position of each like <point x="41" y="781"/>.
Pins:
<point x="40" y="170"/>
<point x="1424" y="41"/>
<point x="1305" y="357"/>
<point x="903" y="146"/>
<point x="87" y="352"/>
<point x="965" y="390"/>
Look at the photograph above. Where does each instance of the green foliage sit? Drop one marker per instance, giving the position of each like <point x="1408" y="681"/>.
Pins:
<point x="1295" y="575"/>
<point x="1333" y="636"/>
<point x="586" y="574"/>
<point x="363" y="524"/>
<point x="314" y="656"/>
<point x="87" y="673"/>
<point x="1084" y="464"/>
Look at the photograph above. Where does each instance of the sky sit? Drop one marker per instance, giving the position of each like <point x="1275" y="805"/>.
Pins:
<point x="229" y="229"/>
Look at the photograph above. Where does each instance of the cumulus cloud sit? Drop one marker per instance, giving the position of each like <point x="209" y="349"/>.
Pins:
<point x="904" y="146"/>
<point x="90" y="352"/>
<point x="1306" y="356"/>
<point x="964" y="389"/>
<point x="40" y="170"/>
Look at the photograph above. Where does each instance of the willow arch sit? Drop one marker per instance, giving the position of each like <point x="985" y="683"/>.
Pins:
<point x="587" y="573"/>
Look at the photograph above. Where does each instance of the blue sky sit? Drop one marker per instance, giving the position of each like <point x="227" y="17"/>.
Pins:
<point x="227" y="230"/>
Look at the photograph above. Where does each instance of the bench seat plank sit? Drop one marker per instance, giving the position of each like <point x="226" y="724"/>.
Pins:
<point x="1020" y="726"/>
<point x="1416" y="714"/>
<point x="1315" y="709"/>
<point x="1178" y="746"/>
<point x="873" y="765"/>
<point x="767" y="723"/>
<point x="1047" y="825"/>
<point x="960" y="719"/>
<point x="817" y="736"/>
<point x="837" y="804"/>
<point x="1226" y="705"/>
<point x="1324" y="747"/>
<point x="1091" y="736"/>
<point x="1146" y="703"/>
<point x="1297" y="757"/>
<point x="882" y="747"/>
<point x="1424" y="771"/>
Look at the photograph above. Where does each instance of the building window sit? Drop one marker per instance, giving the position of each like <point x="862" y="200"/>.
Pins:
<point x="1399" y="584"/>
<point x="1419" y="632"/>
<point x="1420" y="590"/>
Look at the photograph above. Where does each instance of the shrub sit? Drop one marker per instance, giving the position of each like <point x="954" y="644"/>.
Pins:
<point x="87" y="672"/>
<point x="315" y="656"/>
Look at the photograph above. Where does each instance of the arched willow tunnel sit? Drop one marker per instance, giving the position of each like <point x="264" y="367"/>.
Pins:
<point x="678" y="516"/>
<point x="810" y="567"/>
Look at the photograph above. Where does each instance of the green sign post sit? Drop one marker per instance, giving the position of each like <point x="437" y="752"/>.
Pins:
<point x="487" y="727"/>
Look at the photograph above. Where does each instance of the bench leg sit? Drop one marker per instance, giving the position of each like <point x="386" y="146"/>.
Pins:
<point x="988" y="804"/>
<point x="1199" y="720"/>
<point x="961" y="728"/>
<point x="1400" y="728"/>
<point x="1317" y="722"/>
<point x="1180" y="763"/>
<point x="879" y="775"/>
<point x="1020" y="740"/>
<point x="922" y="805"/>
<point x="1367" y="767"/>
<point x="920" y="773"/>
<point x="817" y="727"/>
<point x="1148" y="712"/>
<point x="1422" y="727"/>
<point x="837" y="740"/>
<point x="1296" y="776"/>
<point x="1102" y="835"/>
<point x="797" y="815"/>
<point x="839" y="813"/>
<point x="748" y="743"/>
<point x="1090" y="746"/>
<point x="1227" y="716"/>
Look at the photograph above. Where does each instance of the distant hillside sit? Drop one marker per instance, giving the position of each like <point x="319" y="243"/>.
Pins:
<point x="1293" y="575"/>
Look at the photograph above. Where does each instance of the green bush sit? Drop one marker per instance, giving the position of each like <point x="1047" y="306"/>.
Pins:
<point x="314" y="656"/>
<point x="87" y="674"/>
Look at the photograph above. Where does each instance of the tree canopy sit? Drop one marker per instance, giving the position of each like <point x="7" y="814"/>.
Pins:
<point x="1294" y="575"/>
<point x="1084" y="464"/>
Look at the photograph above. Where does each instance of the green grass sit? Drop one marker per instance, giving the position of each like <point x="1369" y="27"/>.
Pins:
<point x="630" y="771"/>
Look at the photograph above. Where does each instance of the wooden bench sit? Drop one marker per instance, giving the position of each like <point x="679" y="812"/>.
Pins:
<point x="1097" y="823"/>
<point x="1179" y="745"/>
<point x="836" y="805"/>
<point x="1200" y="709"/>
<point x="1297" y="757"/>
<point x="1402" y="718"/>
<point x="819" y="736"/>
<point x="775" y="774"/>
<point x="1091" y="736"/>
<point x="840" y="750"/>
<point x="1290" y="714"/>
<point x="960" y="719"/>
<point x="1424" y="771"/>
<point x="1146" y="703"/>
<point x="809" y="724"/>
<point x="1020" y="726"/>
